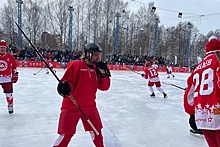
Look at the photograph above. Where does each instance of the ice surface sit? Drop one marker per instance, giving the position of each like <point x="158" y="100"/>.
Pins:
<point x="131" y="118"/>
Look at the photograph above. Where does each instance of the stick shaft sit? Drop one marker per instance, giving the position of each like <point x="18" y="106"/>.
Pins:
<point x="87" y="119"/>
<point x="217" y="55"/>
<point x="70" y="96"/>
<point x="38" y="53"/>
<point x="178" y="86"/>
<point x="131" y="70"/>
<point x="174" y="85"/>
<point x="38" y="71"/>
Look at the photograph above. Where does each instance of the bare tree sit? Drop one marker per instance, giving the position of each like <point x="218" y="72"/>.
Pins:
<point x="60" y="8"/>
<point x="8" y="16"/>
<point x="94" y="21"/>
<point x="52" y="22"/>
<point x="33" y="20"/>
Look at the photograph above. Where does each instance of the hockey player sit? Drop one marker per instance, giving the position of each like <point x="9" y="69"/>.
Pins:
<point x="194" y="130"/>
<point x="82" y="79"/>
<point x="201" y="97"/>
<point x="8" y="74"/>
<point x="169" y="71"/>
<point x="51" y="66"/>
<point x="154" y="65"/>
<point x="153" y="76"/>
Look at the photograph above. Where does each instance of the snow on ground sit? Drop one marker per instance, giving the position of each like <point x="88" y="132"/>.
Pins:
<point x="131" y="118"/>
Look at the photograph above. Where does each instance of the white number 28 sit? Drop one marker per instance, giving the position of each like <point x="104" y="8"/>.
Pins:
<point x="206" y="80"/>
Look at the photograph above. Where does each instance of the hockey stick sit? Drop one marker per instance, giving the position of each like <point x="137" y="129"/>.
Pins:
<point x="135" y="72"/>
<point x="38" y="71"/>
<point x="47" y="65"/>
<point x="174" y="85"/>
<point x="131" y="70"/>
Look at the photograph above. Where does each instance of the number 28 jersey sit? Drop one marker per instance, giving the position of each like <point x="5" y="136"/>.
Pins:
<point x="151" y="74"/>
<point x="202" y="95"/>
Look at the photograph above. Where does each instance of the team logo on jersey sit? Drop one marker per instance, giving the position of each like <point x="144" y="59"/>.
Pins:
<point x="3" y="65"/>
<point x="90" y="70"/>
<point x="216" y="111"/>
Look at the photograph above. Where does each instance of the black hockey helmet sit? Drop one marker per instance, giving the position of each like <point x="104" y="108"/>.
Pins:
<point x="91" y="48"/>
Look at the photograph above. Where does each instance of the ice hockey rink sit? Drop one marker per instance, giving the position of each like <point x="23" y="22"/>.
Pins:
<point x="131" y="118"/>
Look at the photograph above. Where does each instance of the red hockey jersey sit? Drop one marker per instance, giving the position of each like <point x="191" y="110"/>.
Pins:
<point x="84" y="82"/>
<point x="202" y="96"/>
<point x="151" y="74"/>
<point x="7" y="67"/>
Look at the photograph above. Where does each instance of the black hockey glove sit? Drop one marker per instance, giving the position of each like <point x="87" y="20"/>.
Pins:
<point x="102" y="69"/>
<point x="192" y="122"/>
<point x="64" y="88"/>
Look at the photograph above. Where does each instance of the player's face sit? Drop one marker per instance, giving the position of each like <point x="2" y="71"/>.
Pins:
<point x="2" y="50"/>
<point x="96" y="57"/>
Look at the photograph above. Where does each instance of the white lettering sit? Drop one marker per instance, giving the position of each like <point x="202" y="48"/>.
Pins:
<point x="203" y="64"/>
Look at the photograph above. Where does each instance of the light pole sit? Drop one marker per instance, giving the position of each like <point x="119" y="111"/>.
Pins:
<point x="187" y="61"/>
<point x="19" y="23"/>
<point x="70" y="28"/>
<point x="155" y="36"/>
<point x="141" y="36"/>
<point x="116" y="32"/>
<point x="153" y="10"/>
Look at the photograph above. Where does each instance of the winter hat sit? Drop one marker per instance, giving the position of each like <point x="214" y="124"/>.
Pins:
<point x="212" y="45"/>
<point x="3" y="43"/>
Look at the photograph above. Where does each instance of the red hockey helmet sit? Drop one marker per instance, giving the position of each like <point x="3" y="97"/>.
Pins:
<point x="213" y="45"/>
<point x="148" y="63"/>
<point x="3" y="44"/>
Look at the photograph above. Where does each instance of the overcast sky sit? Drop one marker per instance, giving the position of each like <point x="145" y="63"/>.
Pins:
<point x="195" y="11"/>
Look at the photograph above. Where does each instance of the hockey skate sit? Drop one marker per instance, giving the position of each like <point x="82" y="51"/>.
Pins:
<point x="152" y="95"/>
<point x="173" y="76"/>
<point x="10" y="109"/>
<point x="197" y="133"/>
<point x="164" y="95"/>
<point x="168" y="77"/>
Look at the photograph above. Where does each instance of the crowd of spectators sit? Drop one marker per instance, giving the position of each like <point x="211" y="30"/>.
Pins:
<point x="128" y="59"/>
<point x="49" y="54"/>
<point x="67" y="56"/>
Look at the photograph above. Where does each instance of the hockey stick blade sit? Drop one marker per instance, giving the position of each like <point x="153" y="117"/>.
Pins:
<point x="38" y="71"/>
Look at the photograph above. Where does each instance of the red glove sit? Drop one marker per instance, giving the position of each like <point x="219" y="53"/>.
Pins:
<point x="15" y="77"/>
